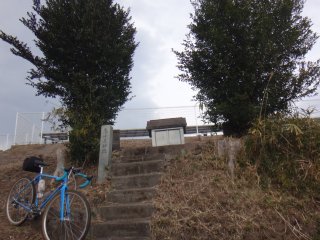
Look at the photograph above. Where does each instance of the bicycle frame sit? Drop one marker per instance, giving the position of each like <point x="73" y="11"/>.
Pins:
<point x="62" y="188"/>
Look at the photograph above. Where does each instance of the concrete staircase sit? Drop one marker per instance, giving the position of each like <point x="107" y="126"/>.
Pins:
<point x="128" y="209"/>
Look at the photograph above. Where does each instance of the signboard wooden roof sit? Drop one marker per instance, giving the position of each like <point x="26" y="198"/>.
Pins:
<point x="166" y="123"/>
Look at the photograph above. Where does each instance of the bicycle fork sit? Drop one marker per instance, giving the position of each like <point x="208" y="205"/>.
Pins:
<point x="64" y="205"/>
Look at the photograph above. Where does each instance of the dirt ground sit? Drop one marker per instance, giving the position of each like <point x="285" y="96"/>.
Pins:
<point x="11" y="170"/>
<point x="239" y="210"/>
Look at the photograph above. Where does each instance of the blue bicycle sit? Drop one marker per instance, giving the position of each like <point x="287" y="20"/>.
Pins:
<point x="65" y="213"/>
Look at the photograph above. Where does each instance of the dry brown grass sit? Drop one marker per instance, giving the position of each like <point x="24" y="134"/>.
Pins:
<point x="197" y="200"/>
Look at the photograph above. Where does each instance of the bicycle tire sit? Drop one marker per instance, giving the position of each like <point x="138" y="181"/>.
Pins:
<point x="75" y="226"/>
<point x="15" y="213"/>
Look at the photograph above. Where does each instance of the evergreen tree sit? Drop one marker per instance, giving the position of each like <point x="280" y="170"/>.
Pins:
<point x="241" y="55"/>
<point x="87" y="54"/>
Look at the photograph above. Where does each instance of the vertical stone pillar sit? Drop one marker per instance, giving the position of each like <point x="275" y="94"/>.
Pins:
<point x="234" y="146"/>
<point x="221" y="148"/>
<point x="105" y="152"/>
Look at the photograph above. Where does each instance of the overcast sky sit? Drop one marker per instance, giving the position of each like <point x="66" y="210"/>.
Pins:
<point x="161" y="26"/>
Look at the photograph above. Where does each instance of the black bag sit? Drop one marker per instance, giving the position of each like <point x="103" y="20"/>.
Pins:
<point x="31" y="164"/>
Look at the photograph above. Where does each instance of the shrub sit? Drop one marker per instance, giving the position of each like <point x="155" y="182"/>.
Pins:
<point x="286" y="152"/>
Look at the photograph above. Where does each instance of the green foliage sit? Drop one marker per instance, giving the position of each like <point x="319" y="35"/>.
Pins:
<point x="84" y="140"/>
<point x="87" y="49"/>
<point x="286" y="152"/>
<point x="233" y="49"/>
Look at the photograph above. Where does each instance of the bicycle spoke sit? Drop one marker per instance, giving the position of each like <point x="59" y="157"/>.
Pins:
<point x="21" y="194"/>
<point x="75" y="224"/>
<point x="61" y="229"/>
<point x="70" y="230"/>
<point x="54" y="213"/>
<point x="75" y="227"/>
<point x="65" y="230"/>
<point x="71" y="201"/>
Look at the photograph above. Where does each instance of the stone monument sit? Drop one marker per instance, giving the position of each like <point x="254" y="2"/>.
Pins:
<point x="105" y="152"/>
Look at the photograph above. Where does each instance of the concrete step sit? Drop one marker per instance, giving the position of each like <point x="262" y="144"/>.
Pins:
<point x="126" y="211"/>
<point x="138" y="158"/>
<point x="122" y="229"/>
<point x="135" y="181"/>
<point x="148" y="150"/>
<point x="131" y="195"/>
<point x="123" y="238"/>
<point x="133" y="168"/>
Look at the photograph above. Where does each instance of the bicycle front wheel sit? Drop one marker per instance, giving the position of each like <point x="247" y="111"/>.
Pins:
<point x="21" y="194"/>
<point x="75" y="223"/>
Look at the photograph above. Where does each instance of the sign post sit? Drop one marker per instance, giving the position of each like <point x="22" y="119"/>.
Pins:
<point x="105" y="152"/>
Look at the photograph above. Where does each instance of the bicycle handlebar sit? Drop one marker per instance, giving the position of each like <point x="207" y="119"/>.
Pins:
<point x="76" y="172"/>
<point x="58" y="179"/>
<point x="88" y="179"/>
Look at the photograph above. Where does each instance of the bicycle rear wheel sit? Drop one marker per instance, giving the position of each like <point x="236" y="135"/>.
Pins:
<point x="76" y="222"/>
<point x="22" y="192"/>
